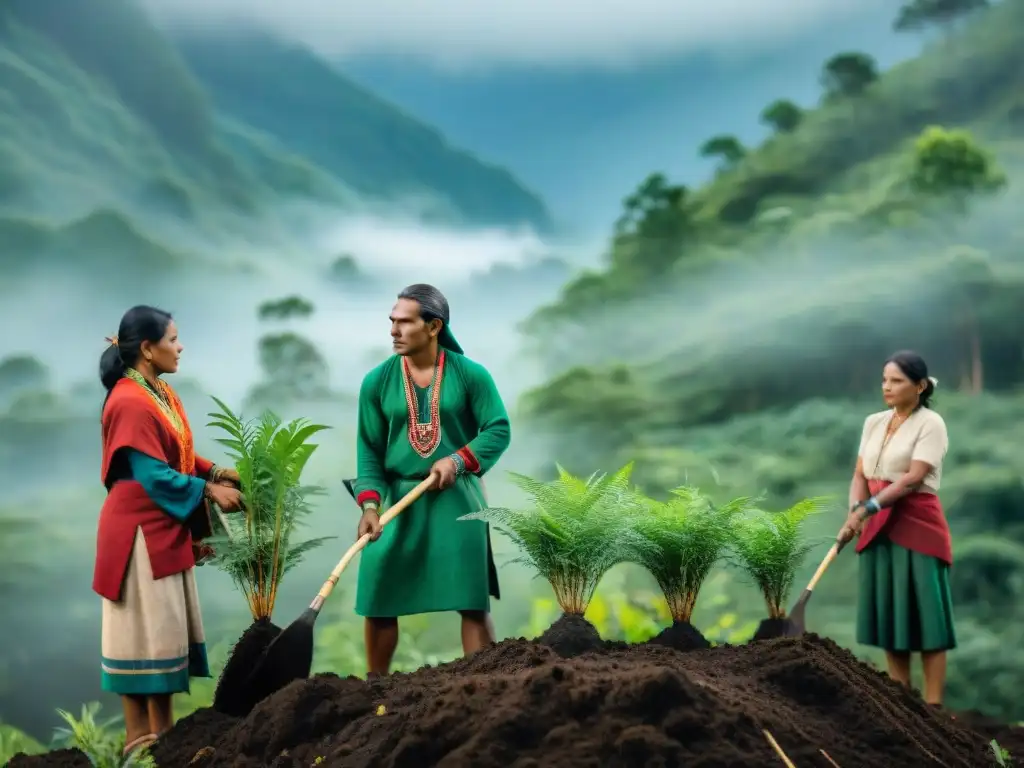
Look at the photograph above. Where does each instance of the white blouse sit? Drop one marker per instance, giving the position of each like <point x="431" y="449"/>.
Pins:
<point x="922" y="437"/>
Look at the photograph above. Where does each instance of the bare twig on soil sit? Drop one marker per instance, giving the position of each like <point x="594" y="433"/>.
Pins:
<point x="778" y="750"/>
<point x="829" y="758"/>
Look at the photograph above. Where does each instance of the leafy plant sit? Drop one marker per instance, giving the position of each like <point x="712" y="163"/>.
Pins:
<point x="14" y="741"/>
<point x="269" y="456"/>
<point x="782" y="115"/>
<point x="102" y="745"/>
<point x="952" y="164"/>
<point x="1000" y="754"/>
<point x="848" y="74"/>
<point x="574" y="531"/>
<point x="689" y="535"/>
<point x="285" y="308"/>
<point x="770" y="547"/>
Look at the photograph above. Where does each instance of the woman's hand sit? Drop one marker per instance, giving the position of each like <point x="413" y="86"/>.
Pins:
<point x="202" y="553"/>
<point x="852" y="527"/>
<point x="226" y="497"/>
<point x="228" y="475"/>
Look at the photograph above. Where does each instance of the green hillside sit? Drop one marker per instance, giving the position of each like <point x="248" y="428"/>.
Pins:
<point x="735" y="335"/>
<point x="316" y="112"/>
<point x="809" y="258"/>
<point x="846" y="148"/>
<point x="125" y="123"/>
<point x="129" y="130"/>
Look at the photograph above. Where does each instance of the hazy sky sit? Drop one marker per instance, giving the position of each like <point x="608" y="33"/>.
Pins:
<point x="475" y="34"/>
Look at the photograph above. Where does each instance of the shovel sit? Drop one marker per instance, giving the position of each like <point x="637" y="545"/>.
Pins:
<point x="796" y="625"/>
<point x="290" y="656"/>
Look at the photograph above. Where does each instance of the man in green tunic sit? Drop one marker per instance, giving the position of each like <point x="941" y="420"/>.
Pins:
<point x="426" y="411"/>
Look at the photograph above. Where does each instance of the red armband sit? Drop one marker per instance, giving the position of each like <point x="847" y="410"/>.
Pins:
<point x="470" y="460"/>
<point x="366" y="496"/>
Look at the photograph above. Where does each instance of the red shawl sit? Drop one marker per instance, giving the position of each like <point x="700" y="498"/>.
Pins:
<point x="915" y="522"/>
<point x="132" y="419"/>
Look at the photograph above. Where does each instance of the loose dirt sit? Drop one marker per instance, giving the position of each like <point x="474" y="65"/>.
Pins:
<point x="682" y="636"/>
<point x="233" y="696"/>
<point x="61" y="758"/>
<point x="769" y="629"/>
<point x="521" y="704"/>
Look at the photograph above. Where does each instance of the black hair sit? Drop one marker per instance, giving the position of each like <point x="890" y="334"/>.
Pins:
<point x="139" y="324"/>
<point x="916" y="369"/>
<point x="433" y="304"/>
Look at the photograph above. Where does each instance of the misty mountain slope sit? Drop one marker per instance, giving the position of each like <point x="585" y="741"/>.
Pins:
<point x="974" y="78"/>
<point x="88" y="183"/>
<point x="841" y="166"/>
<point x="810" y="260"/>
<point x="371" y="145"/>
<point x="104" y="126"/>
<point x="87" y="123"/>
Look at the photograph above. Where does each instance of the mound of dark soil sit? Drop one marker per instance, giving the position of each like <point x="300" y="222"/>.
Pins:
<point x="1009" y="737"/>
<point x="521" y="704"/>
<point x="61" y="758"/>
<point x="770" y="629"/>
<point x="682" y="636"/>
<point x="571" y="636"/>
<point x="191" y="735"/>
<point x="233" y="696"/>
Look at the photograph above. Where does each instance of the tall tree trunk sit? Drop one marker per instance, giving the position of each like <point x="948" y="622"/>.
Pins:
<point x="977" y="367"/>
<point x="963" y="354"/>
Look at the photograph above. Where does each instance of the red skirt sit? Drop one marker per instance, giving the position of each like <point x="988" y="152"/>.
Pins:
<point x="915" y="522"/>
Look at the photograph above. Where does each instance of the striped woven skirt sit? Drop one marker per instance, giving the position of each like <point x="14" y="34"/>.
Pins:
<point x="153" y="638"/>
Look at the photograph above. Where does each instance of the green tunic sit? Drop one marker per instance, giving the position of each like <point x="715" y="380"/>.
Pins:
<point x="426" y="560"/>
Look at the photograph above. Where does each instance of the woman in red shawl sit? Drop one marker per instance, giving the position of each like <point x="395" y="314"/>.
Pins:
<point x="905" y="551"/>
<point x="150" y="526"/>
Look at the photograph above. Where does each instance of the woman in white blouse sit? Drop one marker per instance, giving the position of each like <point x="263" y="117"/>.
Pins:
<point x="904" y="605"/>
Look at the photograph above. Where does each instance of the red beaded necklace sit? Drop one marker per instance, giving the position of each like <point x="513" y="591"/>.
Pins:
<point x="424" y="436"/>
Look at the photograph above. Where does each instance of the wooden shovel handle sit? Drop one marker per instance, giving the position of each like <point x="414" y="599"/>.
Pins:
<point x="223" y="521"/>
<point x="824" y="566"/>
<point x="362" y="541"/>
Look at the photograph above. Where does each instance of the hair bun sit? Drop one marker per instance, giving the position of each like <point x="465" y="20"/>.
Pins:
<point x="934" y="381"/>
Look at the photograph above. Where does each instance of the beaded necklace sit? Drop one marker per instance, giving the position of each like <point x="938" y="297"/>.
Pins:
<point x="424" y="436"/>
<point x="170" y="407"/>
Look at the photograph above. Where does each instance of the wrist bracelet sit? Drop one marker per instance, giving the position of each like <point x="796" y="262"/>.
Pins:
<point x="371" y="506"/>
<point x="872" y="507"/>
<point x="460" y="464"/>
